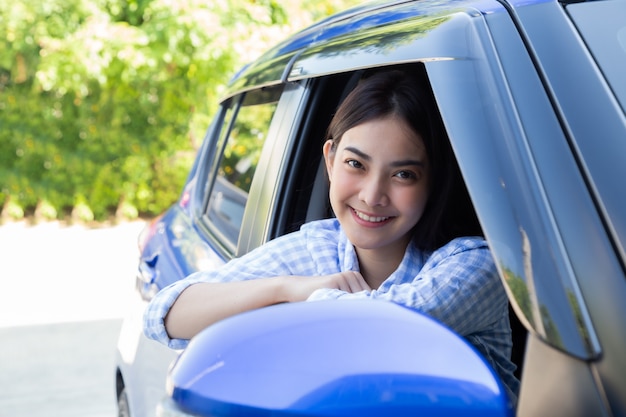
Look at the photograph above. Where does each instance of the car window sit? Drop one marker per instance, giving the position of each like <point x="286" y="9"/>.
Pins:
<point x="244" y="130"/>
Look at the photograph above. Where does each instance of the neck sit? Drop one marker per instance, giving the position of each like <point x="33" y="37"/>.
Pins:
<point x="376" y="266"/>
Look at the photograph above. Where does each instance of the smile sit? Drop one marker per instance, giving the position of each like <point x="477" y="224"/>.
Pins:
<point x="371" y="219"/>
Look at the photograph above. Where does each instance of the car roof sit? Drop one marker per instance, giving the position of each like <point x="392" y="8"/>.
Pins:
<point x="330" y="45"/>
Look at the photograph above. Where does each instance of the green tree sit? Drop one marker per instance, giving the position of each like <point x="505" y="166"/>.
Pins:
<point x="104" y="102"/>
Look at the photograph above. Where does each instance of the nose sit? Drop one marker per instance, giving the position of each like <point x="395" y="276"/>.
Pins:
<point x="374" y="191"/>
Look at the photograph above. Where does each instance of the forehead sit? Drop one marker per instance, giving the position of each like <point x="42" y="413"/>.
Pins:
<point x="382" y="136"/>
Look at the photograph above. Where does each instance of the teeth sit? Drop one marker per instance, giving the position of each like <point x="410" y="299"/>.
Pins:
<point x="369" y="218"/>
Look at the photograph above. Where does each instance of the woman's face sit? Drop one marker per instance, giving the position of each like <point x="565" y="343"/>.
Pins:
<point x="379" y="176"/>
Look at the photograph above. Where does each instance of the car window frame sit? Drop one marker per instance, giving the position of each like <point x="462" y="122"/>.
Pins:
<point x="479" y="54"/>
<point x="504" y="128"/>
<point x="267" y="184"/>
<point x="504" y="121"/>
<point x="216" y="141"/>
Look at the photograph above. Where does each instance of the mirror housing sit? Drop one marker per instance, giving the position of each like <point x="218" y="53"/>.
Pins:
<point x="334" y="358"/>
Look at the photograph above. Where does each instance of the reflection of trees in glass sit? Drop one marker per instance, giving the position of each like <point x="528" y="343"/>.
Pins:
<point x="580" y="321"/>
<point x="552" y="332"/>
<point x="518" y="287"/>
<point x="243" y="150"/>
<point x="384" y="39"/>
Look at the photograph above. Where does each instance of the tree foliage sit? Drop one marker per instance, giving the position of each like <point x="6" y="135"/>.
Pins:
<point x="104" y="102"/>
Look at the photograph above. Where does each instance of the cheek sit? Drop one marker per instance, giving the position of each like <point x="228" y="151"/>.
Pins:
<point x="342" y="188"/>
<point x="337" y="188"/>
<point x="340" y="180"/>
<point x="415" y="202"/>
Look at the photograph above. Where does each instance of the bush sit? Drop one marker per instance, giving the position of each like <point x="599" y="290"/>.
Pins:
<point x="102" y="104"/>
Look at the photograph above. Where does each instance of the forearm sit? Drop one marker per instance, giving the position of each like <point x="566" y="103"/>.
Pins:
<point x="203" y="304"/>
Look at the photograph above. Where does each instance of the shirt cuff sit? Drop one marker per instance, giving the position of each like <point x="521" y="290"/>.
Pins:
<point x="157" y="309"/>
<point x="334" y="294"/>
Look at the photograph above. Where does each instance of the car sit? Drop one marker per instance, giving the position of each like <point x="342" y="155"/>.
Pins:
<point x="533" y="97"/>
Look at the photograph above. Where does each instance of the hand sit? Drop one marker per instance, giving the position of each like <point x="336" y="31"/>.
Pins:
<point x="300" y="288"/>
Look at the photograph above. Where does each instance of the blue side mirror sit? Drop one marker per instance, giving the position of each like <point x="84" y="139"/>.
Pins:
<point x="334" y="358"/>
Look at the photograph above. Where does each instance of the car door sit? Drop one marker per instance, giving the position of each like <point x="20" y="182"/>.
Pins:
<point x="201" y="231"/>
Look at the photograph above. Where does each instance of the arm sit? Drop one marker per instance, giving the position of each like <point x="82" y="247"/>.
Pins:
<point x="203" y="304"/>
<point x="312" y="253"/>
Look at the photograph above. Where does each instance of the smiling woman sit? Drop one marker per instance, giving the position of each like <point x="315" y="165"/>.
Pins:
<point x="390" y="170"/>
<point x="377" y="195"/>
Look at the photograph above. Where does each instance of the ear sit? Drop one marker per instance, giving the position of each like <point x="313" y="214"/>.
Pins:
<point x="329" y="157"/>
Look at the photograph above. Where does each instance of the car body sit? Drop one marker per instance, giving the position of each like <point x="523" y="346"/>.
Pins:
<point x="533" y="97"/>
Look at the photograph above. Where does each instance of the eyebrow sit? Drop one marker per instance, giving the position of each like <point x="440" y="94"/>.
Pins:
<point x="401" y="163"/>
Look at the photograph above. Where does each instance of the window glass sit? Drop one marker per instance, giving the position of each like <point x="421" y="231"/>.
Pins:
<point x="603" y="26"/>
<point x="238" y="152"/>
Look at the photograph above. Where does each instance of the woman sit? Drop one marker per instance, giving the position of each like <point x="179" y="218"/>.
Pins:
<point x="405" y="231"/>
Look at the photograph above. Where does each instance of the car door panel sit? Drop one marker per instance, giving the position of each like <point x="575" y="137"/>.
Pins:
<point x="558" y="385"/>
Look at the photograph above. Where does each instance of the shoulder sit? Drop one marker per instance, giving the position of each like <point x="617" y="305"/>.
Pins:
<point x="469" y="249"/>
<point x="326" y="228"/>
<point x="326" y="243"/>
<point x="312" y="236"/>
<point x="322" y="229"/>
<point x="462" y="244"/>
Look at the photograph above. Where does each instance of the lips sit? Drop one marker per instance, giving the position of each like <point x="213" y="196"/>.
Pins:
<point x="371" y="219"/>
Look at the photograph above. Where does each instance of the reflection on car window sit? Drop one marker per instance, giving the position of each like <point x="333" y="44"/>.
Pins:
<point x="239" y="149"/>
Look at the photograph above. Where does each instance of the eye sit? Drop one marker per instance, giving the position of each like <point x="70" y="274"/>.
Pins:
<point x="406" y="175"/>
<point x="353" y="163"/>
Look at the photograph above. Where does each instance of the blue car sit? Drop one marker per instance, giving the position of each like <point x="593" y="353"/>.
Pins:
<point x="533" y="97"/>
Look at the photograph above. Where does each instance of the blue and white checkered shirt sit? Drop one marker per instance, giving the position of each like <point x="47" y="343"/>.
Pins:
<point x="457" y="284"/>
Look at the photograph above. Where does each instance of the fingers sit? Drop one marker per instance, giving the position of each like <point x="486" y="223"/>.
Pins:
<point x="300" y="288"/>
<point x="353" y="281"/>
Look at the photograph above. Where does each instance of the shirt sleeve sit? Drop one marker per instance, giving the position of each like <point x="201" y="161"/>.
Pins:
<point x="159" y="306"/>
<point x="287" y="255"/>
<point x="458" y="286"/>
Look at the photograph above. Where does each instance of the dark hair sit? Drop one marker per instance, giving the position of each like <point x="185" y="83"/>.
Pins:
<point x="449" y="212"/>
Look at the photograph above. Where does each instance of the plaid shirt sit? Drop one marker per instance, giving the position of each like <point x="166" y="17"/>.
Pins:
<point x="457" y="284"/>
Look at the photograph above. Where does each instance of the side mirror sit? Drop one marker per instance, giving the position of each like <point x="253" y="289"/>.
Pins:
<point x="333" y="358"/>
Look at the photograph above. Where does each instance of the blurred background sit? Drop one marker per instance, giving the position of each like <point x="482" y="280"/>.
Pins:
<point x="103" y="104"/>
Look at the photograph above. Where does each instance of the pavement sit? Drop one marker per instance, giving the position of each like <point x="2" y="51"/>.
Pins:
<point x="63" y="293"/>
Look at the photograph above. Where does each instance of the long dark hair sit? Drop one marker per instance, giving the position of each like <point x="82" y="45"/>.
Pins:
<point x="449" y="212"/>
